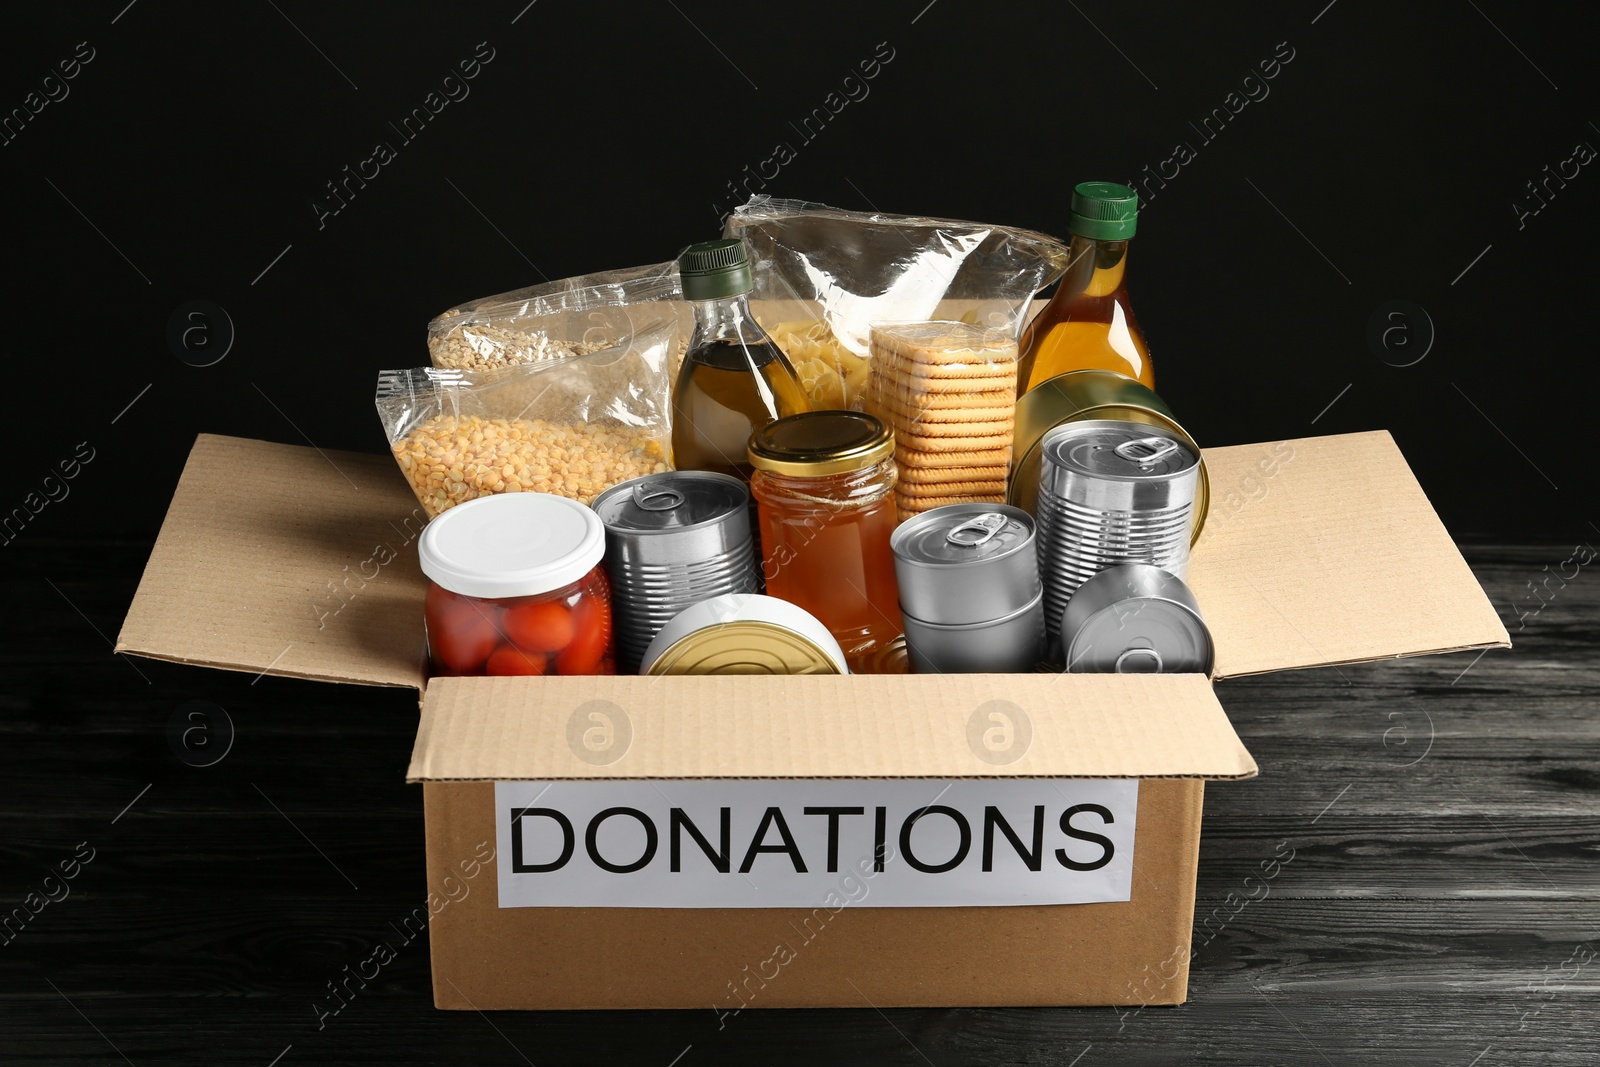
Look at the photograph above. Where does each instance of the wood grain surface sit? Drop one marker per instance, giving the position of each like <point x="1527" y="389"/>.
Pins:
<point x="1442" y="905"/>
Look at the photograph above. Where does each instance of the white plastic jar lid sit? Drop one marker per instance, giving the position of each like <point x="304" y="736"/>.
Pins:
<point x="511" y="544"/>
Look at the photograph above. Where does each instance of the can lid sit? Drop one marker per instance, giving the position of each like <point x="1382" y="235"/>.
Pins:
<point x="1140" y="635"/>
<point x="959" y="534"/>
<point x="1104" y="211"/>
<point x="744" y="647"/>
<point x="1135" y="619"/>
<point x="714" y="269"/>
<point x="893" y="658"/>
<point x="511" y="544"/>
<point x="671" y="501"/>
<point x="1123" y="451"/>
<point x="814" y="444"/>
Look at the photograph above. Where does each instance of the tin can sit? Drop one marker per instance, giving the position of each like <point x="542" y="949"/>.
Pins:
<point x="965" y="563"/>
<point x="1012" y="644"/>
<point x="744" y="633"/>
<point x="1135" y="619"/>
<point x="672" y="539"/>
<point x="1082" y="395"/>
<point x="1111" y="493"/>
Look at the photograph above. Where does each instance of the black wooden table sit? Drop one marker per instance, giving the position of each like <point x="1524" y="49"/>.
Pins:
<point x="1442" y="903"/>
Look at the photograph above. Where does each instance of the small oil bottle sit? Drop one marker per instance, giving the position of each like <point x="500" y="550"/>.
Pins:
<point x="734" y="379"/>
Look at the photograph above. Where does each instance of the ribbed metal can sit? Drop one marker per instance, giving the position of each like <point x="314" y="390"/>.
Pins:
<point x="1083" y="396"/>
<point x="672" y="540"/>
<point x="1111" y="493"/>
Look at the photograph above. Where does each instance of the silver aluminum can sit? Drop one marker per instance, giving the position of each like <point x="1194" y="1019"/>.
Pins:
<point x="1135" y="619"/>
<point x="1013" y="644"/>
<point x="672" y="540"/>
<point x="1111" y="493"/>
<point x="965" y="563"/>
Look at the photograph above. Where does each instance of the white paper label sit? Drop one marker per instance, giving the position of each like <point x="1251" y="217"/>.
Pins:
<point x="814" y="843"/>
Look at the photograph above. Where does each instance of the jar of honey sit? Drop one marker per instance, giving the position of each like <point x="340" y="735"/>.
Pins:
<point x="515" y="587"/>
<point x="824" y="488"/>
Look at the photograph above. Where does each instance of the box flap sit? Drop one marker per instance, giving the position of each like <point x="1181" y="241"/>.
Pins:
<point x="289" y="560"/>
<point x="278" y="559"/>
<point x="1325" y="551"/>
<point x="864" y="726"/>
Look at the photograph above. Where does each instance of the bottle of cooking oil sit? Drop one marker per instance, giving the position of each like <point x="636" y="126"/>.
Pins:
<point x="734" y="379"/>
<point x="1089" y="324"/>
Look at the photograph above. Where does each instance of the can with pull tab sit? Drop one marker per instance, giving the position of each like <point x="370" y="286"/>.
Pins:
<point x="1111" y="493"/>
<point x="672" y="540"/>
<point x="1082" y="396"/>
<point x="969" y="589"/>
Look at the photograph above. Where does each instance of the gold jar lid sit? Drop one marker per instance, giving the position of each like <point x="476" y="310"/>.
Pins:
<point x="744" y="647"/>
<point x="892" y="658"/>
<point x="814" y="444"/>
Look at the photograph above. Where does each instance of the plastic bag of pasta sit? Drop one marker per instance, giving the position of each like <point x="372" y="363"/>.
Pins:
<point x="824" y="275"/>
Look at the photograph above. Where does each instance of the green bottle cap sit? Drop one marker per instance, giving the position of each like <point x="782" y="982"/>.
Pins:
<point x="1104" y="211"/>
<point x="715" y="269"/>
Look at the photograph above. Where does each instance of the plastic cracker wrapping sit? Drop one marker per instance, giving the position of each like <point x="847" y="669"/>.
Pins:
<point x="949" y="390"/>
<point x="573" y="425"/>
<point x="823" y="275"/>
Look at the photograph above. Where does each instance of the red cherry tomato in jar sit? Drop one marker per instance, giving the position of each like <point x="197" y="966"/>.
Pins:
<point x="461" y="631"/>
<point x="511" y="660"/>
<point x="539" y="626"/>
<point x="591" y="639"/>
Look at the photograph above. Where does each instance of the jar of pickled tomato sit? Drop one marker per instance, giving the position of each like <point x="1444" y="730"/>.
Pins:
<point x="824" y="489"/>
<point x="515" y="587"/>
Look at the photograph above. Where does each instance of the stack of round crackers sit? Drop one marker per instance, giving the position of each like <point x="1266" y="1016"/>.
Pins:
<point x="949" y="390"/>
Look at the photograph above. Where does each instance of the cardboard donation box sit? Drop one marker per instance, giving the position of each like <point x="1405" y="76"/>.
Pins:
<point x="626" y="842"/>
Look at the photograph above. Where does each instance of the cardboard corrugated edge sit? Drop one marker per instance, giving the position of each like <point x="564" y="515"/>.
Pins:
<point x="866" y="726"/>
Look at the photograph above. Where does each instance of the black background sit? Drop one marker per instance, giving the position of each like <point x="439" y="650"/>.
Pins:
<point x="1396" y="142"/>
<point x="187" y="157"/>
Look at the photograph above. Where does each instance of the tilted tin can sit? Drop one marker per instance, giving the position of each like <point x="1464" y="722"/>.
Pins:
<point x="1111" y="493"/>
<point x="1080" y="396"/>
<point x="672" y="539"/>
<point x="1135" y="619"/>
<point x="744" y="634"/>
